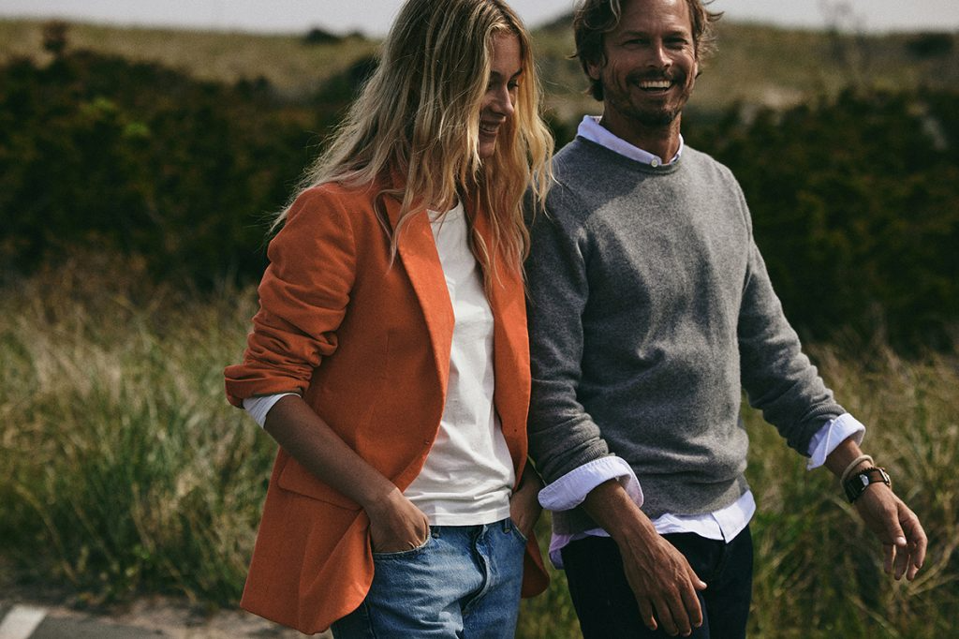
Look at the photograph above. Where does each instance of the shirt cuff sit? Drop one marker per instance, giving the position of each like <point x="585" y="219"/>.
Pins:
<point x="258" y="407"/>
<point x="571" y="489"/>
<point x="833" y="433"/>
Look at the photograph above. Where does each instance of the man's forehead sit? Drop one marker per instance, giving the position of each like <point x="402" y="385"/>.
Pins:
<point x="649" y="12"/>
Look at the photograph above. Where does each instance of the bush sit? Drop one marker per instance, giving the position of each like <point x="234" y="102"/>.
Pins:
<point x="855" y="200"/>
<point x="320" y="36"/>
<point x="98" y="151"/>
<point x="930" y="45"/>
<point x="855" y="204"/>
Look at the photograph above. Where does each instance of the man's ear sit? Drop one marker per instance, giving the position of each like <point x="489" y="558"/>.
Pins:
<point x="594" y="69"/>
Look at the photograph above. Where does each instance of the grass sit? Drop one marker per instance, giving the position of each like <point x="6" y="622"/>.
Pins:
<point x="755" y="64"/>
<point x="294" y="68"/>
<point x="125" y="471"/>
<point x="818" y="570"/>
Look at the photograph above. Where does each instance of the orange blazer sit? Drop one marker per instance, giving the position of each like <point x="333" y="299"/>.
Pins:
<point x="367" y="344"/>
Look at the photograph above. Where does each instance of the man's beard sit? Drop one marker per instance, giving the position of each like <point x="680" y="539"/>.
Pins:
<point x="650" y="118"/>
<point x="653" y="117"/>
<point x="657" y="119"/>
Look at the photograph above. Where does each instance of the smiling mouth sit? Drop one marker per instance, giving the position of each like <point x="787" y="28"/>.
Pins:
<point x="655" y="86"/>
<point x="488" y="129"/>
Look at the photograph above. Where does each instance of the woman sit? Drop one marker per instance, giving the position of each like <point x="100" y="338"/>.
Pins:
<point x="389" y="355"/>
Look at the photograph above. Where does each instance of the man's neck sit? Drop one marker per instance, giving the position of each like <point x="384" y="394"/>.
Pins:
<point x="660" y="141"/>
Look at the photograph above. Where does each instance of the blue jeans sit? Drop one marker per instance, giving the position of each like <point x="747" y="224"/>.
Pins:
<point x="607" y="608"/>
<point x="463" y="582"/>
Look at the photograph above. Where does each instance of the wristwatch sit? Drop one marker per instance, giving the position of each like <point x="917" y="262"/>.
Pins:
<point x="856" y="485"/>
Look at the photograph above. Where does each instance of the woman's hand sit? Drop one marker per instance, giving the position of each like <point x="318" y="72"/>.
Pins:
<point x="524" y="508"/>
<point x="396" y="524"/>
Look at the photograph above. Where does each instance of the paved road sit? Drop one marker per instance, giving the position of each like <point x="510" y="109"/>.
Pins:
<point x="26" y="620"/>
<point x="22" y="621"/>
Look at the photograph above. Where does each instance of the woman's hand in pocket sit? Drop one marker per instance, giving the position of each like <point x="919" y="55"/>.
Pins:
<point x="396" y="524"/>
<point x="524" y="508"/>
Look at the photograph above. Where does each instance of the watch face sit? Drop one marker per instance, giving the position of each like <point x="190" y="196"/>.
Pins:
<point x="855" y="486"/>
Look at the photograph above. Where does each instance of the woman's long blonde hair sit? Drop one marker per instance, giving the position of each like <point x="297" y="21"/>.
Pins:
<point x="417" y="118"/>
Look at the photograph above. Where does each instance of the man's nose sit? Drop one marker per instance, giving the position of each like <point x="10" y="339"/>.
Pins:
<point x="659" y="56"/>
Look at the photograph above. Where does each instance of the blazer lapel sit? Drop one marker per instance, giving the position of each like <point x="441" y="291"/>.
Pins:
<point x="510" y="346"/>
<point x="417" y="252"/>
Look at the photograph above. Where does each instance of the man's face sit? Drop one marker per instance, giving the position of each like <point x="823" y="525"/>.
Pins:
<point x="651" y="63"/>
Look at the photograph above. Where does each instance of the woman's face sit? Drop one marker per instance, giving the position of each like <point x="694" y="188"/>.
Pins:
<point x="497" y="105"/>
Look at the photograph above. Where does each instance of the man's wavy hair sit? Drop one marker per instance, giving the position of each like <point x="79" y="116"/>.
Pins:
<point x="413" y="131"/>
<point x="593" y="19"/>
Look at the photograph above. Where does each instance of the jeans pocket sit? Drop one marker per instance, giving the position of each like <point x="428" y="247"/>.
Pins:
<point x="519" y="533"/>
<point x="404" y="554"/>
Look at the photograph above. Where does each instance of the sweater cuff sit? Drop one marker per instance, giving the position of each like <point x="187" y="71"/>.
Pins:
<point x="258" y="407"/>
<point x="571" y="489"/>
<point x="833" y="433"/>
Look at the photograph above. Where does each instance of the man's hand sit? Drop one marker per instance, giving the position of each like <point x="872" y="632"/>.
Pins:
<point x="662" y="580"/>
<point x="664" y="583"/>
<point x="524" y="508"/>
<point x="897" y="527"/>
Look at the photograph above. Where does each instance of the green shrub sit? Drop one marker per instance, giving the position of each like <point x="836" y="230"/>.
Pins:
<point x="855" y="204"/>
<point x="100" y="152"/>
<point x="930" y="45"/>
<point x="855" y="199"/>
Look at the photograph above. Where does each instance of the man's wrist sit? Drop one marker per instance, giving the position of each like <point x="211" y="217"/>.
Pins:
<point x="610" y="506"/>
<point x="860" y="480"/>
<point x="859" y="463"/>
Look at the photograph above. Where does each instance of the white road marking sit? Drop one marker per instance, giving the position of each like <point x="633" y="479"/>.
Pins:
<point x="21" y="621"/>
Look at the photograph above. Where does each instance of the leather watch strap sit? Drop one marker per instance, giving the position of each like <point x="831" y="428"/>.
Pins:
<point x="859" y="481"/>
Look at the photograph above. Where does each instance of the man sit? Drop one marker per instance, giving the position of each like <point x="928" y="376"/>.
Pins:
<point x="650" y="311"/>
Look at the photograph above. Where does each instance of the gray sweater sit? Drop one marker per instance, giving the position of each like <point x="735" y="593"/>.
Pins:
<point x="650" y="310"/>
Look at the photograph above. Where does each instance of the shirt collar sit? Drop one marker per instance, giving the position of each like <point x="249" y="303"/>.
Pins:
<point x="592" y="130"/>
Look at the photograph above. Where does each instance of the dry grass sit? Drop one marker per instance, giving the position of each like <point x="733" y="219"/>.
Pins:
<point x="126" y="471"/>
<point x="818" y="571"/>
<point x="291" y="66"/>
<point x="757" y="65"/>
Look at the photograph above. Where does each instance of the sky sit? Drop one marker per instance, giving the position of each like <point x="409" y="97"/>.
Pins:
<point x="373" y="17"/>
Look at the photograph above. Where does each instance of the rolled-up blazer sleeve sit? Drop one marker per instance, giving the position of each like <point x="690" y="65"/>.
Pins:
<point x="304" y="296"/>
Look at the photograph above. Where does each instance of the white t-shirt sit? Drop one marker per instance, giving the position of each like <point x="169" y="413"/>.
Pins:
<point x="468" y="475"/>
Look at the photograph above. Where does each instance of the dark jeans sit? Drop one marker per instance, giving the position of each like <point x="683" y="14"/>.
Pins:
<point x="605" y="603"/>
